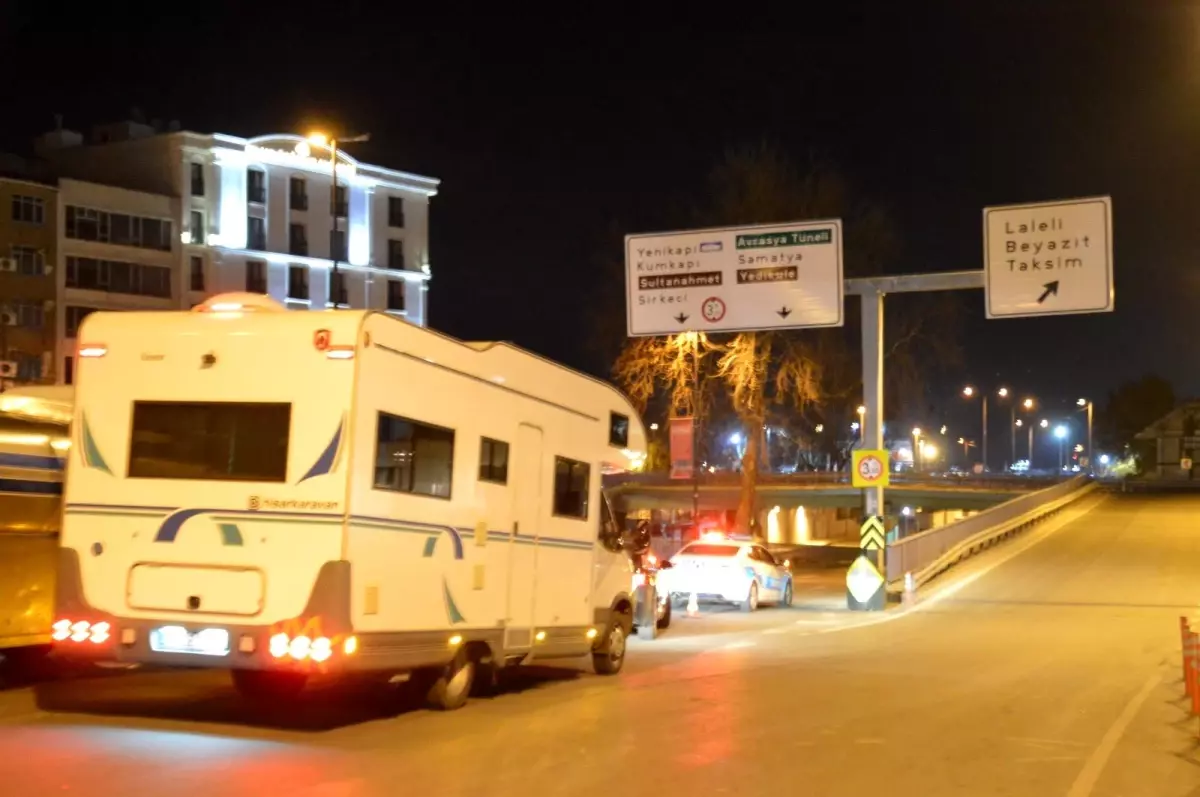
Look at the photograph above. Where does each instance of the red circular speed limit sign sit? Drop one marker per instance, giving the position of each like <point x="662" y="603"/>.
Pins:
<point x="870" y="468"/>
<point x="713" y="309"/>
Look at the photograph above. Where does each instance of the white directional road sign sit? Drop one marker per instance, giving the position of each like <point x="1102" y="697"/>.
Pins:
<point x="735" y="279"/>
<point x="1048" y="258"/>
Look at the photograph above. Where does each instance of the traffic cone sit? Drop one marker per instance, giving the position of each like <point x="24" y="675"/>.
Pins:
<point x="693" y="606"/>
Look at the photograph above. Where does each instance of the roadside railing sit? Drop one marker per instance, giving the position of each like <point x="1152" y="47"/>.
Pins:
<point x="928" y="553"/>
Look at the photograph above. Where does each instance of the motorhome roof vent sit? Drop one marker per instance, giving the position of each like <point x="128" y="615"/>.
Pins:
<point x="239" y="303"/>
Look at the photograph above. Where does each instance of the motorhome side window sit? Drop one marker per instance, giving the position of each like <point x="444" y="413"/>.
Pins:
<point x="493" y="461"/>
<point x="571" y="479"/>
<point x="218" y="441"/>
<point x="413" y="457"/>
<point x="618" y="430"/>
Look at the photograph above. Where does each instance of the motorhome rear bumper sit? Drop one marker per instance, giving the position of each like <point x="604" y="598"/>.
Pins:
<point x="128" y="639"/>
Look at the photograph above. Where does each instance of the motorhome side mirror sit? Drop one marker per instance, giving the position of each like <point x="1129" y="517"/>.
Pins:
<point x="637" y="541"/>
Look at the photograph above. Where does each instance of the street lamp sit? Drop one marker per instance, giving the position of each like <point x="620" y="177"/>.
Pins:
<point x="969" y="391"/>
<point x="916" y="433"/>
<point x="1088" y="405"/>
<point x="1060" y="432"/>
<point x="321" y="140"/>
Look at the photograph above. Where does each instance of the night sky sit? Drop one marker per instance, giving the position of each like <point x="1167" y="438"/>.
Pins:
<point x="549" y="139"/>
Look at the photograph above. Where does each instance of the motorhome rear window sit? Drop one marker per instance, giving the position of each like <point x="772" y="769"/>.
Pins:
<point x="217" y="441"/>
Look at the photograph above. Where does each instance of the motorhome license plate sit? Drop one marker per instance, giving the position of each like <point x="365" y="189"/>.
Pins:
<point x="177" y="639"/>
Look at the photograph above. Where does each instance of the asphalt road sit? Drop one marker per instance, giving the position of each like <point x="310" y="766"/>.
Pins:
<point x="1048" y="666"/>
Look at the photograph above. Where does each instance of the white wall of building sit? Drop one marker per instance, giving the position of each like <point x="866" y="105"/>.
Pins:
<point x="163" y="162"/>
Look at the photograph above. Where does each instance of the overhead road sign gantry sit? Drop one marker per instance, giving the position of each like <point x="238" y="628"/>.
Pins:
<point x="735" y="279"/>
<point x="1048" y="258"/>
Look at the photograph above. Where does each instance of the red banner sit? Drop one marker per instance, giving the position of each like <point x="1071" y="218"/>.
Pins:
<point x="682" y="447"/>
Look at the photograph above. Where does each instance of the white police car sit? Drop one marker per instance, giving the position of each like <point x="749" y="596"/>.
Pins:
<point x="719" y="568"/>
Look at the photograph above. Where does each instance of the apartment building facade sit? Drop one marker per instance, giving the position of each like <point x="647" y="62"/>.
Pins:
<point x="29" y="311"/>
<point x="261" y="215"/>
<point x="118" y="249"/>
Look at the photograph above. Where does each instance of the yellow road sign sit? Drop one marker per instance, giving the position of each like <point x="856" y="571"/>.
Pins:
<point x="869" y="468"/>
<point x="872" y="536"/>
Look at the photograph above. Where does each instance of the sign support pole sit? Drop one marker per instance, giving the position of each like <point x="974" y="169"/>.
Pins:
<point x="872" y="290"/>
<point x="696" y="434"/>
<point x="872" y="364"/>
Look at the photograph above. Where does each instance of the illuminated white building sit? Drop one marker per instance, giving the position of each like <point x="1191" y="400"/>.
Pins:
<point x="258" y="215"/>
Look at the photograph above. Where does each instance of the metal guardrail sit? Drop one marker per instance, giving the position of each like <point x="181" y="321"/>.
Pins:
<point x="928" y="553"/>
<point x="813" y="478"/>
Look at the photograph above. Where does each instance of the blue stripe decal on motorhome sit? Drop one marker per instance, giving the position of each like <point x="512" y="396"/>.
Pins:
<point x="328" y="459"/>
<point x="92" y="457"/>
<point x="169" y="530"/>
<point x="419" y="528"/>
<point x="40" y="462"/>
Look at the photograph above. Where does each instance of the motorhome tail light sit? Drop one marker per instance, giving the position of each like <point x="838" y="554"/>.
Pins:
<point x="79" y="631"/>
<point x="305" y="648"/>
<point x="340" y="352"/>
<point x="93" y="350"/>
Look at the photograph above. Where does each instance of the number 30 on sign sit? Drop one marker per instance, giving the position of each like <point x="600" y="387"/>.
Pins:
<point x="869" y="468"/>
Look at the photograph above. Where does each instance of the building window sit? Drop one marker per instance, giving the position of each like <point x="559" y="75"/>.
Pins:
<point x="197" y="179"/>
<point x="74" y="317"/>
<point x="256" y="276"/>
<point x="395" y="295"/>
<point x="493" y="461"/>
<point x="297" y="282"/>
<point x="87" y="224"/>
<point x="338" y="295"/>
<point x="28" y="209"/>
<point x="341" y="204"/>
<point x="29" y="261"/>
<point x="256" y="186"/>
<point x="197" y="274"/>
<point x="31" y="315"/>
<point x="395" y="255"/>
<point x="571" y="479"/>
<point x="618" y="430"/>
<point x="68" y="370"/>
<point x="197" y="227"/>
<point x="413" y="457"/>
<point x="396" y="211"/>
<point x="256" y="233"/>
<point x="298" y="239"/>
<point x="116" y="276"/>
<point x="298" y="193"/>
<point x="337" y="244"/>
<point x="29" y="366"/>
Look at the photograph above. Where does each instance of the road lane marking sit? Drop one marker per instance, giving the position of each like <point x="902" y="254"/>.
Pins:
<point x="1090" y="774"/>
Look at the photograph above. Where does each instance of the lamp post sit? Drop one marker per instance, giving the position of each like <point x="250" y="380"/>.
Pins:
<point x="1060" y="432"/>
<point x="969" y="391"/>
<point x="862" y="425"/>
<point x="1088" y="405"/>
<point x="916" y="434"/>
<point x="321" y="140"/>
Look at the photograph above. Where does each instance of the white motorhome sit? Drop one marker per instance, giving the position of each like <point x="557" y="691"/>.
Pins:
<point x="286" y="493"/>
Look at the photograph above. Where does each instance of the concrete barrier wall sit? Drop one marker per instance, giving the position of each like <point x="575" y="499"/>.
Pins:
<point x="918" y="552"/>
